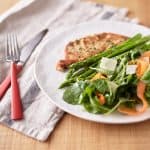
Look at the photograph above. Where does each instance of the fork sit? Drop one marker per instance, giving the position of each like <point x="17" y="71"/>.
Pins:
<point x="13" y="56"/>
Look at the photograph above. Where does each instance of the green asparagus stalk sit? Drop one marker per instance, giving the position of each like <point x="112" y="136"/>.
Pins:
<point x="87" y="73"/>
<point x="130" y="46"/>
<point x="79" y="72"/>
<point x="91" y="75"/>
<point x="70" y="73"/>
<point x="74" y="73"/>
<point x="80" y="77"/>
<point x="67" y="83"/>
<point x="125" y="46"/>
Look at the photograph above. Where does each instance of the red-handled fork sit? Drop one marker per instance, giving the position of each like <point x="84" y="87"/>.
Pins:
<point x="26" y="52"/>
<point x="13" y="56"/>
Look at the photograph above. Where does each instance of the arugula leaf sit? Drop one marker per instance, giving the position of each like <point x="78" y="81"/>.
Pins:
<point x="107" y="88"/>
<point x="113" y="87"/>
<point x="93" y="104"/>
<point x="94" y="109"/>
<point x="101" y="86"/>
<point x="120" y="101"/>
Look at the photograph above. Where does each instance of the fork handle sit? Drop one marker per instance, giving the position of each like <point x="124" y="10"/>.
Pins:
<point x="7" y="81"/>
<point x="16" y="105"/>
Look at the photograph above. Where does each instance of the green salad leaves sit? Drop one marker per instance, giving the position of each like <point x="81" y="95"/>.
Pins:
<point x="94" y="79"/>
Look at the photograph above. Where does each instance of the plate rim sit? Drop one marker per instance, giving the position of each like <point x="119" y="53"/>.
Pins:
<point x="61" y="107"/>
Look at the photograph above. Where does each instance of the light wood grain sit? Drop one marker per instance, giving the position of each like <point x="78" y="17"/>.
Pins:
<point x="75" y="134"/>
<point x="6" y="4"/>
<point x="138" y="8"/>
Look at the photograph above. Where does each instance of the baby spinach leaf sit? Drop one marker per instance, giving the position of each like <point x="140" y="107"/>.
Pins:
<point x="72" y="93"/>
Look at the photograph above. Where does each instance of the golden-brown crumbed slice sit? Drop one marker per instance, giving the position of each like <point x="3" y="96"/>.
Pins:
<point x="88" y="46"/>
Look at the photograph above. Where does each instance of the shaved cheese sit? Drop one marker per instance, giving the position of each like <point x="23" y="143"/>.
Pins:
<point x="108" y="64"/>
<point x="131" y="69"/>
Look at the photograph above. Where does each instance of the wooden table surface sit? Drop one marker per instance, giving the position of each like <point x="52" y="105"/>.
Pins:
<point x="75" y="134"/>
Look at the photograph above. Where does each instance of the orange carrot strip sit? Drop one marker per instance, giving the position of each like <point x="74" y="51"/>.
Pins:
<point x="140" y="93"/>
<point x="146" y="54"/>
<point x="101" y="98"/>
<point x="127" y="111"/>
<point x="142" y="65"/>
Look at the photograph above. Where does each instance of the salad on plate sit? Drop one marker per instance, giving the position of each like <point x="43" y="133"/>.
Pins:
<point x="114" y="79"/>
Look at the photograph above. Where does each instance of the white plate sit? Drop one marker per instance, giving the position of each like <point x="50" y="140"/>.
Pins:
<point x="49" y="79"/>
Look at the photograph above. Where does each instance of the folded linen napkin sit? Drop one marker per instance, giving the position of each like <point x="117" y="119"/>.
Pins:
<point x="28" y="18"/>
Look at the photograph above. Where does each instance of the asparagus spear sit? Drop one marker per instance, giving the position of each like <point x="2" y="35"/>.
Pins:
<point x="80" y="77"/>
<point x="79" y="72"/>
<point x="131" y="45"/>
<point x="67" y="83"/>
<point x="132" y="42"/>
<point x="91" y="75"/>
<point x="146" y="47"/>
<point x="90" y="60"/>
<point x="70" y="73"/>
<point x="87" y="73"/>
<point x="74" y="73"/>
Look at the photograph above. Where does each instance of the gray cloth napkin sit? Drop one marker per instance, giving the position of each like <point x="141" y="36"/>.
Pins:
<point x="28" y="18"/>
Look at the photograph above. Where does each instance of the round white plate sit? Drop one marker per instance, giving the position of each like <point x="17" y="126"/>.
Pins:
<point x="49" y="79"/>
